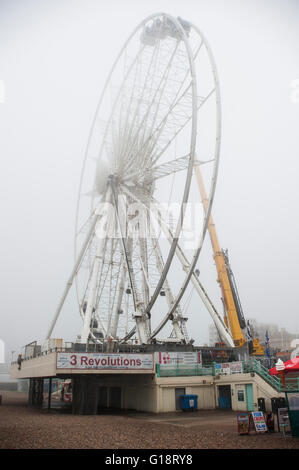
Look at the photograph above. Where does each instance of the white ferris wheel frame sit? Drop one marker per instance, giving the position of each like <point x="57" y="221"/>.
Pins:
<point x="173" y="238"/>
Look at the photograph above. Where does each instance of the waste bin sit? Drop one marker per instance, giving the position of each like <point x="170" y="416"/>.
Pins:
<point x="282" y="402"/>
<point x="274" y="404"/>
<point x="261" y="404"/>
<point x="188" y="402"/>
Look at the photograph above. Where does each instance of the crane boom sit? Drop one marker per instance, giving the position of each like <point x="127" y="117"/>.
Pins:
<point x="234" y="290"/>
<point x="233" y="316"/>
<point x="230" y="317"/>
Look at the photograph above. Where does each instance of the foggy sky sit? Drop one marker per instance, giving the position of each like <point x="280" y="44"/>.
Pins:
<point x="54" y="59"/>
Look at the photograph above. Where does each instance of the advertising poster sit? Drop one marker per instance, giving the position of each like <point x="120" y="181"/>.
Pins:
<point x="229" y="368"/>
<point x="243" y="420"/>
<point x="259" y="421"/>
<point x="178" y="359"/>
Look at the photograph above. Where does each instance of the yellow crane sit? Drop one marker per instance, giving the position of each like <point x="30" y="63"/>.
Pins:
<point x="233" y="316"/>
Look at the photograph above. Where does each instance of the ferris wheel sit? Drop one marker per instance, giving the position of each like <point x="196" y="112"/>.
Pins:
<point x="157" y="118"/>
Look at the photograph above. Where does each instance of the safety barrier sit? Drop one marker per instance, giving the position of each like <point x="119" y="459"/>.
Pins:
<point x="183" y="371"/>
<point x="255" y="366"/>
<point x="248" y="367"/>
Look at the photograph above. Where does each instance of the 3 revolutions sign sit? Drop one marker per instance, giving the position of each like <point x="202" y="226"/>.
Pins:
<point x="104" y="361"/>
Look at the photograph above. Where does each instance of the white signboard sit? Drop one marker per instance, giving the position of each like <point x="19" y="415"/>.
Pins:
<point x="104" y="361"/>
<point x="229" y="368"/>
<point x="178" y="359"/>
<point x="236" y="367"/>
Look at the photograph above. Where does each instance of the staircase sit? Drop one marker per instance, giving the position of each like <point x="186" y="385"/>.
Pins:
<point x="255" y="366"/>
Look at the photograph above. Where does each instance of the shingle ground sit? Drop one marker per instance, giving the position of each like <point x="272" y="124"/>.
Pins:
<point x="23" y="427"/>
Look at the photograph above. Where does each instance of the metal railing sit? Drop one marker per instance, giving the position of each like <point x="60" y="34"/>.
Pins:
<point x="255" y="366"/>
<point x="251" y="366"/>
<point x="248" y="367"/>
<point x="44" y="353"/>
<point x="183" y="371"/>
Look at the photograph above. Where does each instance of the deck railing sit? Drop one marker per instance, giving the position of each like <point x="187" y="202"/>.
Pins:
<point x="252" y="366"/>
<point x="255" y="366"/>
<point x="183" y="371"/>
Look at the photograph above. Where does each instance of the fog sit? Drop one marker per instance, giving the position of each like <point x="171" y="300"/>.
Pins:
<point x="54" y="59"/>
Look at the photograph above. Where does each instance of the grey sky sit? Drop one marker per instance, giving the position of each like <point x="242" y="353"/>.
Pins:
<point x="54" y="59"/>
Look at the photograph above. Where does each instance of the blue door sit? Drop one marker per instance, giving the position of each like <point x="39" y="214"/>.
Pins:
<point x="224" y="397"/>
<point x="249" y="397"/>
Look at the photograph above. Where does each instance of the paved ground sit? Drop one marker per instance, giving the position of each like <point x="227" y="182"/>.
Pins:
<point x="23" y="427"/>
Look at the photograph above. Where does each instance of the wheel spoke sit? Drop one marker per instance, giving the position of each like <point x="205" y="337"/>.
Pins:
<point x="158" y="93"/>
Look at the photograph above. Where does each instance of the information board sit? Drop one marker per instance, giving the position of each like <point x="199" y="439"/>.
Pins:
<point x="283" y="417"/>
<point x="259" y="421"/>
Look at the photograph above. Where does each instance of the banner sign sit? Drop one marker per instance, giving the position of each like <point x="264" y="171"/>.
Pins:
<point x="259" y="421"/>
<point x="102" y="361"/>
<point x="178" y="359"/>
<point x="229" y="368"/>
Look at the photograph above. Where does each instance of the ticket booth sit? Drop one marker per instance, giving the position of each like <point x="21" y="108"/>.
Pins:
<point x="292" y="399"/>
